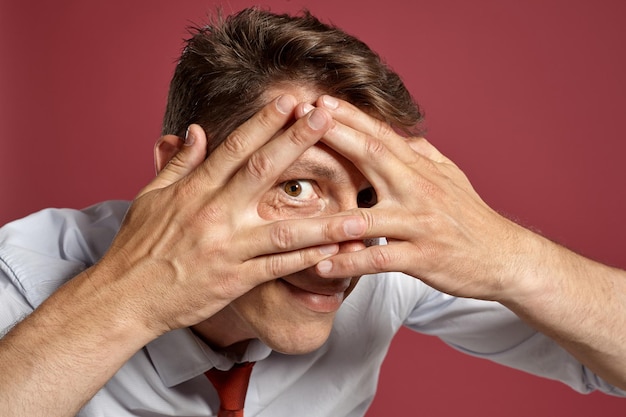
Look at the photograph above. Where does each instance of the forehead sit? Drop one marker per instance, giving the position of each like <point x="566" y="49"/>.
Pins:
<point x="303" y="93"/>
<point x="319" y="161"/>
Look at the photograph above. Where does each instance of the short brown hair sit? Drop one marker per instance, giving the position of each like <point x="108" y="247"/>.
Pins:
<point x="226" y="66"/>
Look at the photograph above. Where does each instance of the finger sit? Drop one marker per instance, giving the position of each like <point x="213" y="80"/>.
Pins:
<point x="383" y="157"/>
<point x="382" y="167"/>
<point x="416" y="151"/>
<point x="190" y="156"/>
<point x="294" y="234"/>
<point x="246" y="139"/>
<point x="302" y="110"/>
<point x="352" y="117"/>
<point x="371" y="260"/>
<point x="266" y="164"/>
<point x="266" y="268"/>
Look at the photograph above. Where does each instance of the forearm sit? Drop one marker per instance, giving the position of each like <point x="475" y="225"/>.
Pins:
<point x="55" y="360"/>
<point x="578" y="302"/>
<point x="440" y="231"/>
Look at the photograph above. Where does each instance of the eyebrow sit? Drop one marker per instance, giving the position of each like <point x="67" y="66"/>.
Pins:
<point x="298" y="168"/>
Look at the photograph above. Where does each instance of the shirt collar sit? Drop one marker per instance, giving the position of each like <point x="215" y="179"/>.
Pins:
<point x="179" y="356"/>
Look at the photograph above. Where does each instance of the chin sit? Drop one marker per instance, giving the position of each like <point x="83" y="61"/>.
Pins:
<point x="296" y="348"/>
<point x="298" y="342"/>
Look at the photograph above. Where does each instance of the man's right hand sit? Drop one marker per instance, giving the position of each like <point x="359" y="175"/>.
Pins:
<point x="191" y="242"/>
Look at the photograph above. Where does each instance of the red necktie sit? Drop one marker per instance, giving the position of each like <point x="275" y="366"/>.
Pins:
<point x="231" y="386"/>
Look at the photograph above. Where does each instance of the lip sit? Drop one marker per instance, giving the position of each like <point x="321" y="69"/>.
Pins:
<point x="320" y="299"/>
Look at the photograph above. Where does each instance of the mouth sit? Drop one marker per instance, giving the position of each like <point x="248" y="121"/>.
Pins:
<point x="325" y="298"/>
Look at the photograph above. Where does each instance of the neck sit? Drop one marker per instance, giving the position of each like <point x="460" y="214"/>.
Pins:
<point x="223" y="334"/>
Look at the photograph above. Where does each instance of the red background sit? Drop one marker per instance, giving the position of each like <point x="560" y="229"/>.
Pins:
<point x="527" y="97"/>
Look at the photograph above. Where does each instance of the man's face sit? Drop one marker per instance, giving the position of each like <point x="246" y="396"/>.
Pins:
<point x="294" y="314"/>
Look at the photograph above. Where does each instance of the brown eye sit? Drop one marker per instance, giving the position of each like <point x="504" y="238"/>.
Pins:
<point x="292" y="188"/>
<point x="300" y="190"/>
<point x="366" y="198"/>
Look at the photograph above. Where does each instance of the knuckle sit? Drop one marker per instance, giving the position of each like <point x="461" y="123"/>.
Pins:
<point x="211" y="214"/>
<point x="236" y="143"/>
<point x="381" y="129"/>
<point x="307" y="257"/>
<point x="185" y="190"/>
<point x="430" y="190"/>
<point x="281" y="236"/>
<point x="226" y="286"/>
<point x="265" y="118"/>
<point x="230" y="278"/>
<point x="298" y="135"/>
<point x="381" y="259"/>
<point x="345" y="263"/>
<point x="275" y="266"/>
<point x="260" y="165"/>
<point x="428" y="184"/>
<point x="374" y="148"/>
<point x="330" y="231"/>
<point x="368" y="216"/>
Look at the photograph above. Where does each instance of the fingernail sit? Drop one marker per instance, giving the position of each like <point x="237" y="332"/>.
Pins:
<point x="330" y="102"/>
<point x="354" y="227"/>
<point x="189" y="137"/>
<point x="316" y="120"/>
<point x="306" y="107"/>
<point x="325" y="267"/>
<point x="329" y="249"/>
<point x="285" y="104"/>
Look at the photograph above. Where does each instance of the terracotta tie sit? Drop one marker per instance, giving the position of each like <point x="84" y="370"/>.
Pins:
<point x="231" y="386"/>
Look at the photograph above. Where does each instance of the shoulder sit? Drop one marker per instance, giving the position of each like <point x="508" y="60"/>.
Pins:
<point x="40" y="252"/>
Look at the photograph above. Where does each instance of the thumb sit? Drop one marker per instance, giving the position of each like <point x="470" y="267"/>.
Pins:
<point x="186" y="159"/>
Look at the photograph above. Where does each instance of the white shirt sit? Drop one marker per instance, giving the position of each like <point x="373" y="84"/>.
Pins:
<point x="166" y="378"/>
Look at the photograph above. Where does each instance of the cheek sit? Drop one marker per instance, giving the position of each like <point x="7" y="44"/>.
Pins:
<point x="271" y="317"/>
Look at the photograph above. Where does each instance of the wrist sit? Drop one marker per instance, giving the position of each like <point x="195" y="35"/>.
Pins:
<point x="118" y="307"/>
<point x="526" y="277"/>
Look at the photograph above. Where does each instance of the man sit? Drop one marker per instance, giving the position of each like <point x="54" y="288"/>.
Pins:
<point x="255" y="252"/>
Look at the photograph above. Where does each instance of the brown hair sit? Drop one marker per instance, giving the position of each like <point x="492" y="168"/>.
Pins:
<point x="226" y="66"/>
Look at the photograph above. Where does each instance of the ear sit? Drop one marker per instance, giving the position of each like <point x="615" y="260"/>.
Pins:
<point x="165" y="148"/>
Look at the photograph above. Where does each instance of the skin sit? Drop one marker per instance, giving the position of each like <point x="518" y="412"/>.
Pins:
<point x="228" y="215"/>
<point x="192" y="242"/>
<point x="440" y="231"/>
<point x="295" y="313"/>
